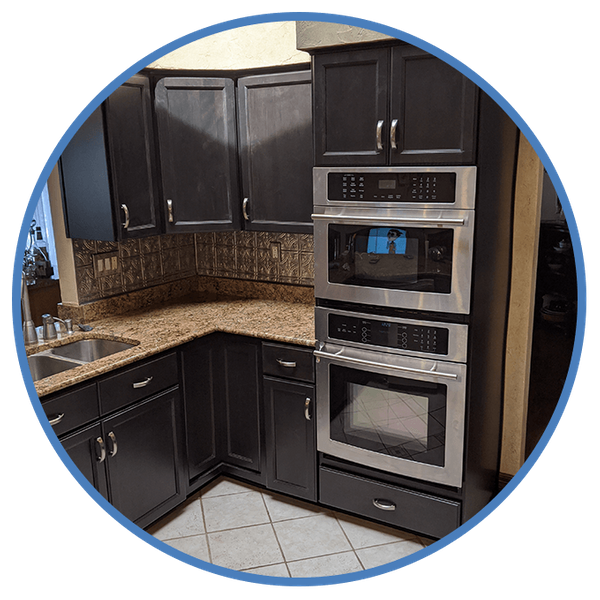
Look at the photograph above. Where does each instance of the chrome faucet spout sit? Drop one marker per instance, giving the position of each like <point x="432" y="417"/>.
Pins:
<point x="29" y="333"/>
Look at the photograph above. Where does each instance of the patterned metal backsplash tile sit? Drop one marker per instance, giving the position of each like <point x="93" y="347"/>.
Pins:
<point x="159" y="259"/>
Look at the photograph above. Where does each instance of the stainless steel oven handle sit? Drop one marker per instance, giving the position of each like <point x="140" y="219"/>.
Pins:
<point x="387" y="220"/>
<point x="370" y="363"/>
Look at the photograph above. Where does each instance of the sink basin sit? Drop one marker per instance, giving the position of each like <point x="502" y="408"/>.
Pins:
<point x="90" y="350"/>
<point x="43" y="365"/>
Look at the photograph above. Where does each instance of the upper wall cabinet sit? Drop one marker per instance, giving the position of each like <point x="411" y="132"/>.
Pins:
<point x="392" y="106"/>
<point x="275" y="146"/>
<point x="198" y="153"/>
<point x="108" y="170"/>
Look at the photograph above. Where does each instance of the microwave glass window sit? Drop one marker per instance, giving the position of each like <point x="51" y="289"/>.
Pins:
<point x="418" y="258"/>
<point x="388" y="415"/>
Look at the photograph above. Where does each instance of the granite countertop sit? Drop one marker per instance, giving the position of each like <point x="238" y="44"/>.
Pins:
<point x="158" y="329"/>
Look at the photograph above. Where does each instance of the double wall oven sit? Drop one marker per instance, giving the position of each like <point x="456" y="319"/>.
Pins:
<point x="393" y="267"/>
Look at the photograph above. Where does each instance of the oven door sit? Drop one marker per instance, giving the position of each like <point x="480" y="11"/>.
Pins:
<point x="414" y="259"/>
<point x="394" y="413"/>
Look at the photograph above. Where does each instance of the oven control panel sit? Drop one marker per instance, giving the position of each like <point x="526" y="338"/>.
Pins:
<point x="389" y="334"/>
<point x="393" y="187"/>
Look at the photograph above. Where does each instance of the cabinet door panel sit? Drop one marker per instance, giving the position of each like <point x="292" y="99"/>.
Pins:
<point x="145" y="470"/>
<point x="291" y="438"/>
<point x="275" y="131"/>
<point x="351" y="96"/>
<point x="132" y="147"/>
<point x="434" y="105"/>
<point x="198" y="153"/>
<point x="85" y="450"/>
<point x="242" y="418"/>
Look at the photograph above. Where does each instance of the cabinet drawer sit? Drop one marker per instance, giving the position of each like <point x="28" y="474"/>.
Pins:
<point x="289" y="362"/>
<point x="72" y="409"/>
<point x="422" y="513"/>
<point x="136" y="383"/>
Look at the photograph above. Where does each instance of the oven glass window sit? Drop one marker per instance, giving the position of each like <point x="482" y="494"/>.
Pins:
<point x="407" y="258"/>
<point x="394" y="416"/>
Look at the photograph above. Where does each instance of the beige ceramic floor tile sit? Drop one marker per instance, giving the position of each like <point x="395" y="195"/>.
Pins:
<point x="183" y="521"/>
<point x="310" y="536"/>
<point x="234" y="510"/>
<point x="223" y="486"/>
<point x="245" y="548"/>
<point x="281" y="508"/>
<point x="363" y="534"/>
<point x="195" y="546"/>
<point x="375" y="556"/>
<point x="279" y="570"/>
<point x="325" y="566"/>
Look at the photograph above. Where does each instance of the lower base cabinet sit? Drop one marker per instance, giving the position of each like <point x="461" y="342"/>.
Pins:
<point x="291" y="438"/>
<point x="133" y="458"/>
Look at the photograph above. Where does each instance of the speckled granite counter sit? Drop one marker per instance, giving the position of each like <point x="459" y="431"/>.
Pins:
<point x="155" y="330"/>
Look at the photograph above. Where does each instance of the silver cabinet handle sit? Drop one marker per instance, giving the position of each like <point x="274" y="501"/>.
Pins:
<point x="288" y="364"/>
<point x="170" y="209"/>
<point x="57" y="419"/>
<point x="383" y="504"/>
<point x="378" y="136"/>
<point x="141" y="384"/>
<point x="393" y="130"/>
<point x="102" y="456"/>
<point x="113" y="440"/>
<point x="245" y="209"/>
<point x="126" y="211"/>
<point x="306" y="409"/>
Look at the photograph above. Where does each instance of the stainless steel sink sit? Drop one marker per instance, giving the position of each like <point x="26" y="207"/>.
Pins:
<point x="44" y="365"/>
<point x="90" y="350"/>
<point x="62" y="358"/>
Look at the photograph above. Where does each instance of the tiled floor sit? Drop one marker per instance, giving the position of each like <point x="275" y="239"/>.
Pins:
<point x="244" y="528"/>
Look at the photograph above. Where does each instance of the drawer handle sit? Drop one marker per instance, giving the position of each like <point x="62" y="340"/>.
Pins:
<point x="114" y="448"/>
<point x="126" y="211"/>
<point x="170" y="210"/>
<point x="288" y="364"/>
<point x="57" y="419"/>
<point x="100" y="443"/>
<point x="141" y="384"/>
<point x="378" y="136"/>
<point x="383" y="504"/>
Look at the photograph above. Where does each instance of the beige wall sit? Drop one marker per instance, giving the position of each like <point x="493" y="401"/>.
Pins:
<point x="253" y="46"/>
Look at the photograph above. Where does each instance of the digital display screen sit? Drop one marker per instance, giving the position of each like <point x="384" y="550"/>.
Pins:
<point x="387" y="184"/>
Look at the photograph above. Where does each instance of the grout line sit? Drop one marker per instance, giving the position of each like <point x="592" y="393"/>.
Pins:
<point x="349" y="541"/>
<point x="275" y="534"/>
<point x="205" y="530"/>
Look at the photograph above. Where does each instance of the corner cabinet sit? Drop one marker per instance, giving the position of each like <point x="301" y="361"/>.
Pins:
<point x="275" y="148"/>
<point x="198" y="153"/>
<point x="391" y="106"/>
<point x="108" y="169"/>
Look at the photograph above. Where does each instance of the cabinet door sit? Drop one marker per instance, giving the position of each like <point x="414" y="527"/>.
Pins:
<point x="200" y="371"/>
<point x="433" y="110"/>
<point x="275" y="133"/>
<point x="198" y="153"/>
<point x="144" y="458"/>
<point x="290" y="436"/>
<point x="351" y="91"/>
<point x="131" y="142"/>
<point x="87" y="449"/>
<point x="241" y="430"/>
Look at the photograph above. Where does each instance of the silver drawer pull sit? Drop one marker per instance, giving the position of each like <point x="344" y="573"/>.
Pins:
<point x="383" y="504"/>
<point x="57" y="419"/>
<point x="378" y="136"/>
<point x="289" y="364"/>
<point x="245" y="209"/>
<point x="141" y="384"/>
<point x="393" y="130"/>
<point x="170" y="210"/>
<point x="126" y="211"/>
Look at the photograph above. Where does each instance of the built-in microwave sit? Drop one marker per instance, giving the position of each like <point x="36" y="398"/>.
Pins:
<point x="399" y="237"/>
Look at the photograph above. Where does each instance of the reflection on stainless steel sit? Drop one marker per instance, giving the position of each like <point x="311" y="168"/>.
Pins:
<point x="89" y="350"/>
<point x="44" y="365"/>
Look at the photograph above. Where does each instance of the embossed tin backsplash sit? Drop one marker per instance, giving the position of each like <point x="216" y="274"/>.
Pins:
<point x="258" y="256"/>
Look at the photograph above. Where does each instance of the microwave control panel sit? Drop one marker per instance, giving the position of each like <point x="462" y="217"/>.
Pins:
<point x="403" y="336"/>
<point x="439" y="188"/>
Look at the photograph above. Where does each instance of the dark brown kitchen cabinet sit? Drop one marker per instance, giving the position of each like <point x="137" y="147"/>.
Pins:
<point x="275" y="149"/>
<point x="291" y="438"/>
<point x="132" y="452"/>
<point x="143" y="458"/>
<point x="391" y="106"/>
<point x="198" y="153"/>
<point x="108" y="169"/>
<point x="223" y="408"/>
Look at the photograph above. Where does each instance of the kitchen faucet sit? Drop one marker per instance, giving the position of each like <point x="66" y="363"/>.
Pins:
<point x="29" y="333"/>
<point x="49" y="331"/>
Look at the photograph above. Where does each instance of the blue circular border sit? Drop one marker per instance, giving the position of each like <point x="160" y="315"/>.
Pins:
<point x="581" y="292"/>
